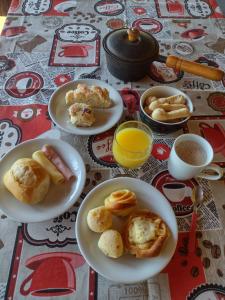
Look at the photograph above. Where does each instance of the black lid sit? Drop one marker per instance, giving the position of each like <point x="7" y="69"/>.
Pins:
<point x="119" y="44"/>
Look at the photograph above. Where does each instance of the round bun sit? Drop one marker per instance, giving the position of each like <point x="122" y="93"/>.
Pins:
<point x="145" y="234"/>
<point x="121" y="202"/>
<point x="99" y="219"/>
<point x="111" y="243"/>
<point x="27" y="181"/>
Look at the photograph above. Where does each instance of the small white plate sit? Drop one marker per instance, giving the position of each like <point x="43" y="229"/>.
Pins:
<point x="127" y="268"/>
<point x="106" y="118"/>
<point x="59" y="198"/>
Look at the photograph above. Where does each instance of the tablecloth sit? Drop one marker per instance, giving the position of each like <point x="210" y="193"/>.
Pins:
<point x="46" y="43"/>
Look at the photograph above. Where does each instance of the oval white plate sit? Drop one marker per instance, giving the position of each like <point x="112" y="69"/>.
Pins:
<point x="59" y="198"/>
<point x="106" y="118"/>
<point x="126" y="269"/>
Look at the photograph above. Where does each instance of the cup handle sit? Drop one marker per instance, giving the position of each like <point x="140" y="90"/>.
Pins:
<point x="22" y="287"/>
<point x="211" y="167"/>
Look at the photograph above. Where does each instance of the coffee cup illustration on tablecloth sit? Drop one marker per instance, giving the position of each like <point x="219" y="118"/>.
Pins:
<point x="175" y="6"/>
<point x="75" y="50"/>
<point x="53" y="274"/>
<point x="194" y="34"/>
<point x="176" y="191"/>
<point x="215" y="135"/>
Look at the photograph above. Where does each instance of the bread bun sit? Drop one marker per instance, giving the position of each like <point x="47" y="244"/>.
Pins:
<point x="121" y="202"/>
<point x="27" y="181"/>
<point x="145" y="234"/>
<point x="111" y="243"/>
<point x="99" y="219"/>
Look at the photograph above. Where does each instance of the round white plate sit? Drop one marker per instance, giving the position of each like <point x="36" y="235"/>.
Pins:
<point x="106" y="118"/>
<point x="59" y="198"/>
<point x="127" y="268"/>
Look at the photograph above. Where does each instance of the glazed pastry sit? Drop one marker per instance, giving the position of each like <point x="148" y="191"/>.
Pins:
<point x="111" y="243"/>
<point x="121" y="202"/>
<point x="99" y="219"/>
<point x="27" y="181"/>
<point x="160" y="114"/>
<point x="95" y="96"/>
<point x="81" y="115"/>
<point x="145" y="234"/>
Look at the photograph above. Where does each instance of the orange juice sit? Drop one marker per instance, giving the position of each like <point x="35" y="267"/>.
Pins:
<point x="131" y="147"/>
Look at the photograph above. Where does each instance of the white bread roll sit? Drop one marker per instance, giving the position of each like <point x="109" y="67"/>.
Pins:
<point x="27" y="181"/>
<point x="111" y="243"/>
<point x="99" y="219"/>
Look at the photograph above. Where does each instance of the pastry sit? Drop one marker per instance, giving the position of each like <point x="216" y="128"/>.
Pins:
<point x="27" y="181"/>
<point x="81" y="115"/>
<point x="121" y="202"/>
<point x="145" y="234"/>
<point x="95" y="96"/>
<point x="160" y="114"/>
<point x="99" y="219"/>
<point x="111" y="243"/>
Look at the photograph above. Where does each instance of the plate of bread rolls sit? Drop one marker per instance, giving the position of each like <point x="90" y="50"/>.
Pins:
<point x="124" y="225"/>
<point x="165" y="109"/>
<point x="85" y="107"/>
<point x="40" y="179"/>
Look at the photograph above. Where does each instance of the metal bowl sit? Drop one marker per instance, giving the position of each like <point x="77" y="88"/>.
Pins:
<point x="160" y="92"/>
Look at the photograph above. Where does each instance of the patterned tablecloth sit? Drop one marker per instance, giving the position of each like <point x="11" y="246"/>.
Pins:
<point x="38" y="53"/>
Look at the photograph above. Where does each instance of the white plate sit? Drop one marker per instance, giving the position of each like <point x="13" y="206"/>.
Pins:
<point x="106" y="118"/>
<point x="59" y="198"/>
<point x="126" y="269"/>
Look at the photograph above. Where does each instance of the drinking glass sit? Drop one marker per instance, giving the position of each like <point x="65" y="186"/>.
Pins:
<point x="132" y="144"/>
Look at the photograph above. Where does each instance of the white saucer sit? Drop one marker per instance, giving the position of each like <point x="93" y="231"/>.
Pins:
<point x="106" y="118"/>
<point x="59" y="198"/>
<point x="127" y="268"/>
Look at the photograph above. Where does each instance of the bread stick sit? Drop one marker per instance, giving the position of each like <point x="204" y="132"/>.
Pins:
<point x="160" y="114"/>
<point x="166" y="106"/>
<point x="150" y="99"/>
<point x="179" y="99"/>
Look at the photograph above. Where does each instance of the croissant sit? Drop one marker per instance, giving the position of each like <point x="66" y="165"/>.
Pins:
<point x="145" y="234"/>
<point x="121" y="202"/>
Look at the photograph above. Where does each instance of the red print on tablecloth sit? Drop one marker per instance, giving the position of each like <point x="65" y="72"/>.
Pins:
<point x="207" y="291"/>
<point x="20" y="123"/>
<point x="139" y="10"/>
<point x="14" y="6"/>
<point x="6" y="64"/>
<point x="148" y="24"/>
<point x="200" y="9"/>
<point x="24" y="84"/>
<point x="178" y="192"/>
<point x="100" y="148"/>
<point x="194" y="34"/>
<point x="62" y="79"/>
<point x="53" y="274"/>
<point x="217" y="101"/>
<point x="109" y="7"/>
<point x="160" y="151"/>
<point x="13" y="31"/>
<point x="115" y="23"/>
<point x="76" y="44"/>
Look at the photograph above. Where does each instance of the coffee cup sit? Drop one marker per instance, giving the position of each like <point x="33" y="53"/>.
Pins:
<point x="190" y="156"/>
<point x="176" y="191"/>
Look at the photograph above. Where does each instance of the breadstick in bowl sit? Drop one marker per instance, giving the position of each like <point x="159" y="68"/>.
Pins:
<point x="159" y="114"/>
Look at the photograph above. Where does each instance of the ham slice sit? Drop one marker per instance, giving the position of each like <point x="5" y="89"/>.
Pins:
<point x="60" y="165"/>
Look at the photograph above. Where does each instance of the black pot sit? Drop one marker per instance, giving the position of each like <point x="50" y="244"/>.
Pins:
<point x="129" y="53"/>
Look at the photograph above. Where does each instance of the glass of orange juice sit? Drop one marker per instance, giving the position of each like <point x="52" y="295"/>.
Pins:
<point x="132" y="144"/>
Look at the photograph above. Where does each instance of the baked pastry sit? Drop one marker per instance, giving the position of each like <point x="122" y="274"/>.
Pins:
<point x="81" y="115"/>
<point x="95" y="96"/>
<point x="99" y="219"/>
<point x="27" y="181"/>
<point x="111" y="243"/>
<point x="121" y="202"/>
<point x="145" y="234"/>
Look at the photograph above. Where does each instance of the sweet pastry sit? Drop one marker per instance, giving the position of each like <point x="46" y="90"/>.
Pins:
<point x="145" y="234"/>
<point x="81" y="115"/>
<point x="160" y="114"/>
<point x="111" y="243"/>
<point x="121" y="202"/>
<point x="95" y="96"/>
<point x="99" y="219"/>
<point x="27" y="181"/>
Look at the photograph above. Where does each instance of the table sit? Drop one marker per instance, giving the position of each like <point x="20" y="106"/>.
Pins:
<point x="37" y="54"/>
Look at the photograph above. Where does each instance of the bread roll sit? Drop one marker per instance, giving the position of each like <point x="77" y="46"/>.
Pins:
<point x="121" y="202"/>
<point x="27" y="181"/>
<point x="145" y="234"/>
<point x="99" y="219"/>
<point x="111" y="243"/>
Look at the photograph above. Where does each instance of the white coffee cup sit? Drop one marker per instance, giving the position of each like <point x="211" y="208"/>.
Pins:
<point x="180" y="169"/>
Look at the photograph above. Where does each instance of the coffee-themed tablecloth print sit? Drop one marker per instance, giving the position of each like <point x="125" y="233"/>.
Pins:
<point x="39" y="51"/>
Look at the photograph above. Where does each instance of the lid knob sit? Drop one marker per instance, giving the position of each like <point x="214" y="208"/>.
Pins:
<point x="133" y="34"/>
